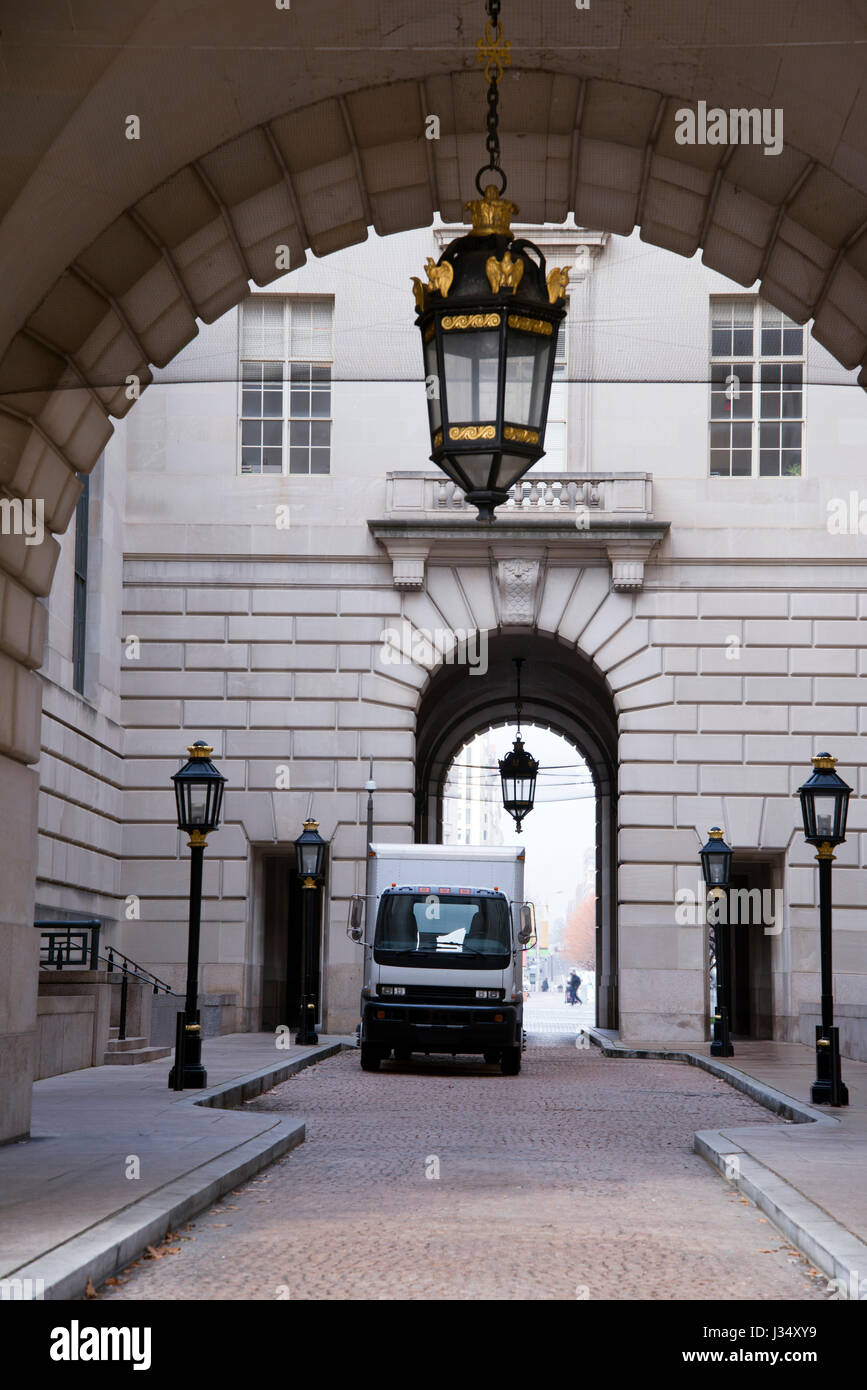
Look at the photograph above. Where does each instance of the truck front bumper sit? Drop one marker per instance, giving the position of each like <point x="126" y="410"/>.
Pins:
<point x="442" y="1027"/>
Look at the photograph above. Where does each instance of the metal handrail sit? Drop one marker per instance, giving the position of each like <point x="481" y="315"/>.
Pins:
<point x="114" y="957"/>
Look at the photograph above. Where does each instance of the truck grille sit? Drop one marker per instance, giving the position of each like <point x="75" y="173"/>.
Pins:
<point x="444" y="994"/>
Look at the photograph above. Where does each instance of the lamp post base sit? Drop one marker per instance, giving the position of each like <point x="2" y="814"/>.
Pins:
<point x="306" y="1035"/>
<point x="721" y="1045"/>
<point x="188" y="1059"/>
<point x="828" y="1088"/>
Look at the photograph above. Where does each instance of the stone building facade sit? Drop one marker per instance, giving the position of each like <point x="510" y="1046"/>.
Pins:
<point x="697" y="637"/>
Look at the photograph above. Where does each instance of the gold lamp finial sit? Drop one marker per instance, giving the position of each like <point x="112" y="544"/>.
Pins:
<point x="492" y="215"/>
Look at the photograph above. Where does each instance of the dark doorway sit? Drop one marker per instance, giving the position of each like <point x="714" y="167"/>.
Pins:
<point x="284" y="943"/>
<point x="750" y="950"/>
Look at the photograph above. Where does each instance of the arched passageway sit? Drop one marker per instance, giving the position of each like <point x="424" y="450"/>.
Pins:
<point x="560" y="690"/>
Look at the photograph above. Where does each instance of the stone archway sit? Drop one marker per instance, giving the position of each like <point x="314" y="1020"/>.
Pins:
<point x="561" y="690"/>
<point x="255" y="135"/>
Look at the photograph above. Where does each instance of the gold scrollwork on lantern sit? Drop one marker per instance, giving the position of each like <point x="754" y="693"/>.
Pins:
<point x="473" y="432"/>
<point x="557" y="280"/>
<point x="531" y="325"/>
<point x="438" y="439"/>
<point x="521" y="436"/>
<point x="504" y="274"/>
<point x="471" y="321"/>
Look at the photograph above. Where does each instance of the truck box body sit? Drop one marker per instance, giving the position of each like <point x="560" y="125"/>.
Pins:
<point x="442" y="959"/>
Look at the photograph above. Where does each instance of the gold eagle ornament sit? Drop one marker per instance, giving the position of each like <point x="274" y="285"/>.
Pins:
<point x="557" y="280"/>
<point x="504" y="274"/>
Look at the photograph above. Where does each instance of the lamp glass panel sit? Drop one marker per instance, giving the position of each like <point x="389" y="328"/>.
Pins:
<point x="510" y="467"/>
<point x="717" y="868"/>
<point x="477" y="467"/>
<point x="471" y="364"/>
<point x="527" y="357"/>
<point x="432" y="386"/>
<point x="309" y="856"/>
<point x="825" y="811"/>
<point x="197" y="803"/>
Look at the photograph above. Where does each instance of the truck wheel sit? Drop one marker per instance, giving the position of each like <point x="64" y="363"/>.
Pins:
<point x="370" y="1057"/>
<point x="492" y="1054"/>
<point x="510" y="1062"/>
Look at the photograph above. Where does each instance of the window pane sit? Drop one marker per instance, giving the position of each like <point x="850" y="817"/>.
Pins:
<point x="793" y="405"/>
<point x="272" y="371"/>
<point x="742" y="342"/>
<point x="262" y="327"/>
<point x="250" y="460"/>
<point x="320" y="374"/>
<point x="251" y="402"/>
<point x="320" y="432"/>
<point x="742" y="463"/>
<point x="299" y="432"/>
<point x="319" y="460"/>
<point x="272" y="402"/>
<point x="769" y="436"/>
<point x="300" y="371"/>
<point x="320" y="403"/>
<point x="741" y="436"/>
<point x="791" y="436"/>
<point x="272" y="432"/>
<point x="721" y="342"/>
<point x="273" y="460"/>
<point x="299" y="405"/>
<point x="793" y="341"/>
<point x="792" y="463"/>
<point x="298" y="460"/>
<point x="719" y="464"/>
<point x="769" y="463"/>
<point x="720" y="436"/>
<point x="772" y="341"/>
<point x="251" y="432"/>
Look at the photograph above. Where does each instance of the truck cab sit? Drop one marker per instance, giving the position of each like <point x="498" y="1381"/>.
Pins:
<point x="443" y="967"/>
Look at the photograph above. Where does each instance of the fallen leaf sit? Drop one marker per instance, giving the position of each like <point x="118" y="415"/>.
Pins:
<point x="172" y="1250"/>
<point x="112" y="1281"/>
<point x="219" y="1225"/>
<point x="153" y="1254"/>
<point x="90" y="1291"/>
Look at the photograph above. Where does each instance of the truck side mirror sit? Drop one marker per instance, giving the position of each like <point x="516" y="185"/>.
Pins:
<point x="527" y="929"/>
<point x="355" y="925"/>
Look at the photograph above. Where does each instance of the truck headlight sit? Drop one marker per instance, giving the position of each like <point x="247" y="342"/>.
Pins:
<point x="392" y="989"/>
<point x="487" y="994"/>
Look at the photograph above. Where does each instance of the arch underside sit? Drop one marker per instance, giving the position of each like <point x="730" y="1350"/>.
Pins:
<point x="563" y="691"/>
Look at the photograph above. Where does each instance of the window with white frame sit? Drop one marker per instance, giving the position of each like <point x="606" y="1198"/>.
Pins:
<point x="757" y="363"/>
<point x="285" y="371"/>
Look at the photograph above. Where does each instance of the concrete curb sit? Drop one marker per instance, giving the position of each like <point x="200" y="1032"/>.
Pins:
<point x="825" y="1242"/>
<point x="112" y="1244"/>
<point x="777" y="1101"/>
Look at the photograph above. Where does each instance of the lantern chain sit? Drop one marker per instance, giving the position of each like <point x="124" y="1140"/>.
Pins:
<point x="495" y="55"/>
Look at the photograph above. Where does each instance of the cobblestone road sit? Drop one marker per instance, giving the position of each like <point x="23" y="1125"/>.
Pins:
<point x="574" y="1179"/>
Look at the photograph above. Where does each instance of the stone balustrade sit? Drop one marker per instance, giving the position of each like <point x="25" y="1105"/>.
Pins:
<point x="608" y="496"/>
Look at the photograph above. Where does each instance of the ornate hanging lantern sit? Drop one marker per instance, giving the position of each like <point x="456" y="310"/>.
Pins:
<point x="518" y="769"/>
<point x="489" y="316"/>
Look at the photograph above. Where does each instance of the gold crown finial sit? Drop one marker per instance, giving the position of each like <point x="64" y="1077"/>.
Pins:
<point x="200" y="750"/>
<point x="823" y="762"/>
<point x="492" y="214"/>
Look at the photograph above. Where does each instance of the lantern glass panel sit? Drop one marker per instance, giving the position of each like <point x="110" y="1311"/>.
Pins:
<point x="527" y="357"/>
<point x="477" y="468"/>
<point x="716" y="864"/>
<point x="825" y="811"/>
<point x="432" y="386"/>
<point x="197" y="803"/>
<point x="510" y="467"/>
<point x="471" y="364"/>
<point x="309" y="859"/>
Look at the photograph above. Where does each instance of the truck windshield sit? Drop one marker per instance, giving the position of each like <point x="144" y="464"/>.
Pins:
<point x="417" y="929"/>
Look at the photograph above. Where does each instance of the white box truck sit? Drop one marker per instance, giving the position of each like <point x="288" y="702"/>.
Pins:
<point x="443" y="936"/>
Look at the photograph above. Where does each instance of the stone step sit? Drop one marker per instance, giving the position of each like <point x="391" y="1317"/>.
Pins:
<point x="117" y="1044"/>
<point x="137" y="1055"/>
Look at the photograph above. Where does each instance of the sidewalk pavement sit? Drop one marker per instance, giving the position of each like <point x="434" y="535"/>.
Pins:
<point x="809" y="1173"/>
<point x="73" y="1203"/>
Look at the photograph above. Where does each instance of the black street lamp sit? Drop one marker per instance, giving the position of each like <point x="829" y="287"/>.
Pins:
<point x="199" y="795"/>
<point x="824" y="807"/>
<point x="489" y="316"/>
<point x="518" y="769"/>
<point x="716" y="863"/>
<point x="309" y="864"/>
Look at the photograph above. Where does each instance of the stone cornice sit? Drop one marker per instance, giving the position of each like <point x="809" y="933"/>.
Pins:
<point x="410" y="544"/>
